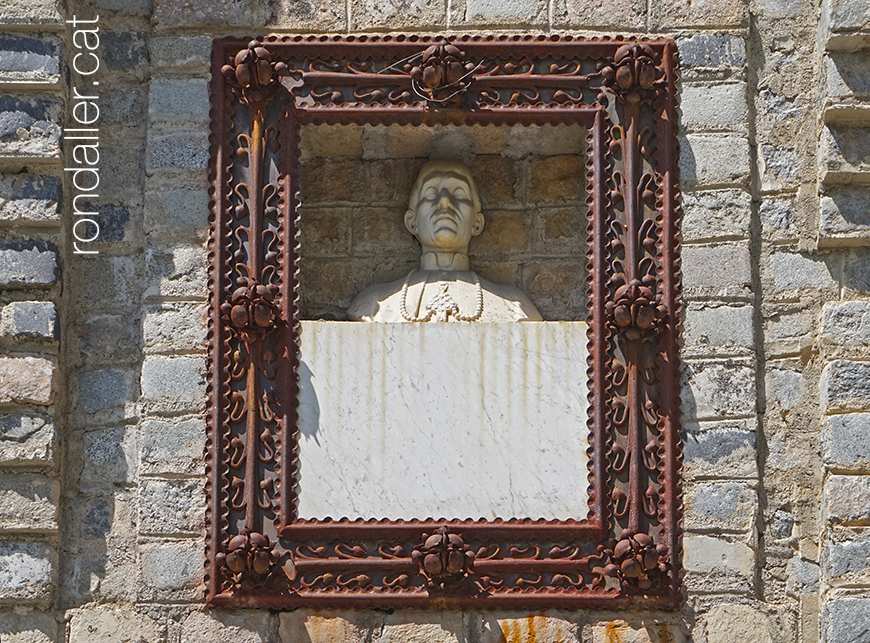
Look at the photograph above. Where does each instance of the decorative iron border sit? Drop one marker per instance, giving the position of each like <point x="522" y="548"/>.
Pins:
<point x="627" y="550"/>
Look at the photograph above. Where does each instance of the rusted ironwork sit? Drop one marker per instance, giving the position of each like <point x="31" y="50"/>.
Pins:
<point x="627" y="549"/>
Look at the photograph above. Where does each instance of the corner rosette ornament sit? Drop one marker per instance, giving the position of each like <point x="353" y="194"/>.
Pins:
<point x="251" y="309"/>
<point x="636" y="310"/>
<point x="250" y="560"/>
<point x="443" y="74"/>
<point x="632" y="73"/>
<point x="444" y="559"/>
<point x="253" y="73"/>
<point x="634" y="559"/>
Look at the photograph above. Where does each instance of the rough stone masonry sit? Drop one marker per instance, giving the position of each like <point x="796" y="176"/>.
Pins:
<point x="102" y="357"/>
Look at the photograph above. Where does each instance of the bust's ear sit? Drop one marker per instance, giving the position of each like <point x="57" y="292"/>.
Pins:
<point x="477" y="224"/>
<point x="411" y="221"/>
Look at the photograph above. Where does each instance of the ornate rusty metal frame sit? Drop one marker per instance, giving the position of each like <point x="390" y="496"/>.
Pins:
<point x="627" y="549"/>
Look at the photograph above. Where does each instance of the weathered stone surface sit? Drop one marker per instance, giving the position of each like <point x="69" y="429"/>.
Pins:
<point x="624" y="14"/>
<point x="122" y="167"/>
<point x="778" y="218"/>
<point x="846" y="323"/>
<point x="174" y="212"/>
<point x="108" y="624"/>
<point x="711" y="160"/>
<point x="29" y="197"/>
<point x="845" y="386"/>
<point x="105" y="282"/>
<point x="787" y="330"/>
<point x="550" y="626"/>
<point x="109" y="339"/>
<point x="28" y="501"/>
<point x="180" y="51"/>
<point x="29" y="320"/>
<point x="845" y="214"/>
<point x="201" y="12"/>
<point x="714" y="106"/>
<point x="724" y="449"/>
<point x="171" y="569"/>
<point x="857" y="272"/>
<point x="684" y="13"/>
<point x="731" y="623"/>
<point x="846" y="619"/>
<point x="174" y="383"/>
<point x="703" y="273"/>
<point x="403" y="627"/>
<point x="175" y="326"/>
<point x="845" y="75"/>
<point x="846" y="558"/>
<point x="779" y="167"/>
<point x="491" y="12"/>
<point x="720" y="506"/>
<point x="844" y="152"/>
<point x="105" y="389"/>
<point x="394" y="14"/>
<point x="171" y="507"/>
<point x="846" y="441"/>
<point x="108" y="458"/>
<point x="125" y="52"/>
<point x="713" y="564"/>
<point x="716" y="214"/>
<point x="177" y="271"/>
<point x="26" y="438"/>
<point x="803" y="576"/>
<point x="27" y="380"/>
<point x="34" y="12"/>
<point x="27" y="626"/>
<point x="224" y="626"/>
<point x="26" y="573"/>
<point x="172" y="446"/>
<point x="718" y="329"/>
<point x="30" y="59"/>
<point x="29" y="126"/>
<point x="791" y="271"/>
<point x="716" y="390"/>
<point x="785" y="386"/>
<point x="847" y="15"/>
<point x="635" y="631"/>
<point x="123" y="108"/>
<point x="712" y="51"/>
<point x="178" y="101"/>
<point x="178" y="150"/>
<point x="848" y="499"/>
<point x="27" y="263"/>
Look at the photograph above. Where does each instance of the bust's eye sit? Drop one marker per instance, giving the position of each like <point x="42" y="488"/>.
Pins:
<point x="460" y="193"/>
<point x="430" y="193"/>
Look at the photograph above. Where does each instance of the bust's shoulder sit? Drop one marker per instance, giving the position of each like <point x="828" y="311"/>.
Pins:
<point x="369" y="303"/>
<point x="516" y="303"/>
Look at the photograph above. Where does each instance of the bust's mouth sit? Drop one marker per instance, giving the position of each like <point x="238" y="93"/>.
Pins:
<point x="445" y="218"/>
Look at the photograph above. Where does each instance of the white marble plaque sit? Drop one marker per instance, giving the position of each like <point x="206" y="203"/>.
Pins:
<point x="443" y="420"/>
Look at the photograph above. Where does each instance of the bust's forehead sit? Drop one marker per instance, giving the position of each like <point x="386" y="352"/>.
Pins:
<point x="441" y="174"/>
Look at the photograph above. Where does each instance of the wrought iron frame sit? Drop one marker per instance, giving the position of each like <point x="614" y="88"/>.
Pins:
<point x="627" y="549"/>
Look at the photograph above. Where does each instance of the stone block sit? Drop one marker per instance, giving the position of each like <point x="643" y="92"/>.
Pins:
<point x="178" y="150"/>
<point x="716" y="564"/>
<point x="31" y="198"/>
<point x="535" y="140"/>
<point x="846" y="558"/>
<point x="115" y="222"/>
<point x="180" y="51"/>
<point x="174" y="383"/>
<point x="26" y="573"/>
<point x="30" y="59"/>
<point x="178" y="101"/>
<point x="845" y="386"/>
<point x="124" y="7"/>
<point x="109" y="339"/>
<point x="176" y="271"/>
<point x="504" y="232"/>
<point x="28" y="501"/>
<point x="713" y="390"/>
<point x="27" y="263"/>
<point x="724" y="449"/>
<point x="326" y="232"/>
<point x="334" y="180"/>
<point x="847" y="15"/>
<point x="790" y="271"/>
<point x="847" y="499"/>
<point x="27" y="626"/>
<point x="330" y="140"/>
<point x="620" y="14"/>
<point x="845" y="75"/>
<point x="560" y="230"/>
<point x="714" y="106"/>
<point x="125" y="52"/>
<point x="27" y="380"/>
<point x="225" y="626"/>
<point x="779" y="167"/>
<point x="33" y="12"/>
<point x="845" y="215"/>
<point x="123" y="108"/>
<point x="720" y="507"/>
<point x="844" y="153"/>
<point x="498" y="179"/>
<point x="122" y="167"/>
<point x="103" y="569"/>
<point x="175" y="326"/>
<point x="712" y="51"/>
<point x="170" y="570"/>
<point x="170" y="13"/>
<point x="715" y="214"/>
<point x="846" y="619"/>
<point x="857" y="272"/>
<point x="26" y="439"/>
<point x="713" y="329"/>
<point x="492" y="12"/>
<point x="557" y="287"/>
<point x="373" y="231"/>
<point x="803" y="576"/>
<point x="105" y="389"/>
<point x="846" y="323"/>
<point x="109" y="624"/>
<point x="557" y="179"/>
<point x="785" y="386"/>
<point x="173" y="212"/>
<point x="778" y="217"/>
<point x="30" y="126"/>
<point x="29" y="320"/>
<point x="500" y="627"/>
<point x="108" y="458"/>
<point x="708" y="160"/>
<point x="671" y="14"/>
<point x="172" y="446"/>
<point x="731" y="623"/>
<point x="393" y="14"/>
<point x="171" y="507"/>
<point x="703" y="274"/>
<point x="846" y="441"/>
<point x="635" y="631"/>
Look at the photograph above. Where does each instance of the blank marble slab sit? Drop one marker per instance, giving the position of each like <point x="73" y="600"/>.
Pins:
<point x="450" y="420"/>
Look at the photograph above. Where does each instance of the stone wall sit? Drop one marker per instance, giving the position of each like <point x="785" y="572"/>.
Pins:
<point x="101" y="433"/>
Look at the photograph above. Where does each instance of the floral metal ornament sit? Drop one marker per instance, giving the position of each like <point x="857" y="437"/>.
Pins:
<point x="627" y="549"/>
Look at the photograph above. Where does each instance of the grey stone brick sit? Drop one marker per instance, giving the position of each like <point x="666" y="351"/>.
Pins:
<point x="249" y="626"/>
<point x="715" y="390"/>
<point x="716" y="214"/>
<point x="492" y="12"/>
<point x="373" y="14"/>
<point x="622" y="14"/>
<point x="202" y="12"/>
<point x="108" y="458"/>
<point x="712" y="329"/>
<point x="778" y="218"/>
<point x="846" y="441"/>
<point x="704" y="272"/>
<point x="845" y="75"/>
<point x="19" y="625"/>
<point x="26" y="439"/>
<point x="27" y="263"/>
<point x="105" y="281"/>
<point x="803" y="577"/>
<point x="30" y="126"/>
<point x="29" y="320"/>
<point x="845" y="386"/>
<point x="124" y="51"/>
<point x="848" y="15"/>
<point x="714" y="106"/>
<point x="175" y="327"/>
<point x="29" y="197"/>
<point x="30" y="59"/>
<point x="181" y="150"/>
<point x="113" y="219"/>
<point x="112" y="624"/>
<point x="170" y="569"/>
<point x="181" y="51"/>
<point x="172" y="446"/>
<point x="730" y="622"/>
<point x="33" y="12"/>
<point x="848" y="499"/>
<point x="26" y="572"/>
<point x="846" y="323"/>
<point x="104" y="389"/>
<point x="847" y="620"/>
<point x="174" y="383"/>
<point x="779" y="167"/>
<point x="845" y="214"/>
<point x="712" y="50"/>
<point x="713" y="564"/>
<point x="171" y="507"/>
<point x="178" y="101"/>
<point x="122" y="107"/>
<point x="684" y="13"/>
<point x="720" y="506"/>
<point x="310" y="14"/>
<point x="785" y="386"/>
<point x="846" y="557"/>
<point x="28" y="501"/>
<point x="844" y="152"/>
<point x="176" y="271"/>
<point x="791" y="271"/>
<point x="176" y="211"/>
<point x="724" y="449"/>
<point x="109" y="339"/>
<point x="857" y="272"/>
<point x="781" y="525"/>
<point x="27" y="380"/>
<point x="122" y="168"/>
<point x="708" y="160"/>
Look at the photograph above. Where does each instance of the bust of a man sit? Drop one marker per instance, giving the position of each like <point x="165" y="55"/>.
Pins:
<point x="443" y="214"/>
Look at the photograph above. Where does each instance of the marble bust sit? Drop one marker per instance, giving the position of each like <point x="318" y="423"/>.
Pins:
<point x="443" y="214"/>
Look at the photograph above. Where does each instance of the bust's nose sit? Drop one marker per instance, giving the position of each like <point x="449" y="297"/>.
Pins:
<point x="444" y="199"/>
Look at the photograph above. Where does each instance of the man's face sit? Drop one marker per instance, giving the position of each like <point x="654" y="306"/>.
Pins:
<point x="445" y="217"/>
